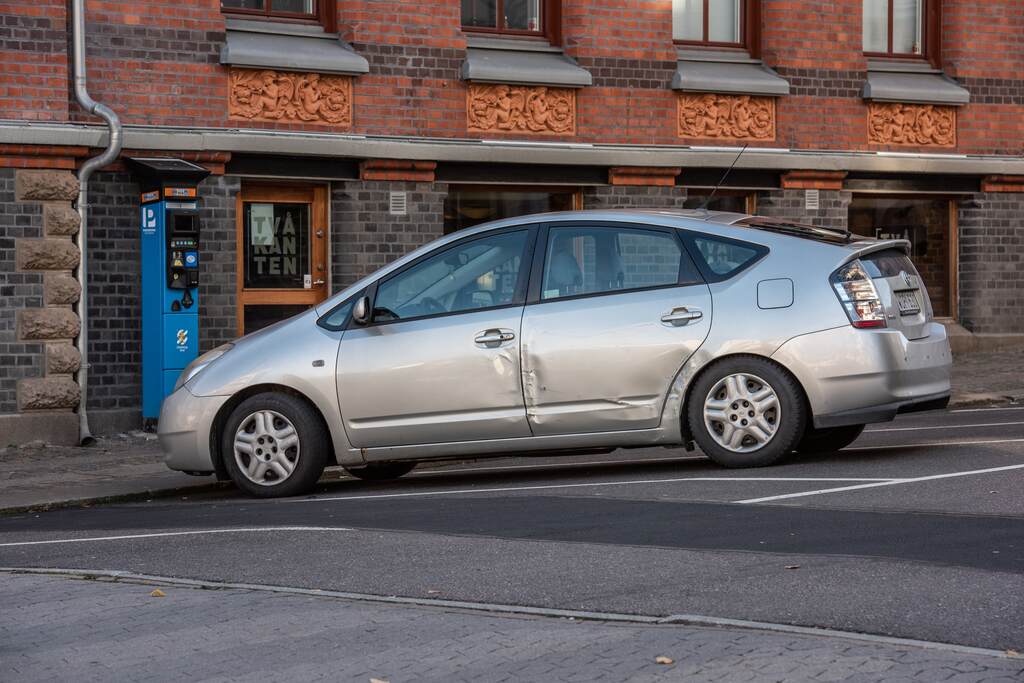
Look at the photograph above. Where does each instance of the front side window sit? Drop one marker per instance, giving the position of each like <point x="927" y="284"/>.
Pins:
<point x="504" y="16"/>
<point x="715" y="22"/>
<point x="895" y="27"/>
<point x="480" y="273"/>
<point x="583" y="260"/>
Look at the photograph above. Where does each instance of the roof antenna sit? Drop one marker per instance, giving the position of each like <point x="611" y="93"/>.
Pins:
<point x="707" y="200"/>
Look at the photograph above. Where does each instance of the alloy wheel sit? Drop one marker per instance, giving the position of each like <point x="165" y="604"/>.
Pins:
<point x="742" y="413"/>
<point x="266" y="447"/>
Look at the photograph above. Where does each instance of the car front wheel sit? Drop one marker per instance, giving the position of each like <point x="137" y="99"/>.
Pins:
<point x="274" y="445"/>
<point x="746" y="412"/>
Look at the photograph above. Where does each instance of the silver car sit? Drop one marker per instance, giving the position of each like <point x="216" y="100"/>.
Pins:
<point x="573" y="332"/>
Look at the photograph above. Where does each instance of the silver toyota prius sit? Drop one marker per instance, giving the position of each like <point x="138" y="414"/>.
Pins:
<point x="573" y="332"/>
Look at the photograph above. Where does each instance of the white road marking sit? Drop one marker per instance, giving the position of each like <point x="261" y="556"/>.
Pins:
<point x="934" y="444"/>
<point x="177" y="533"/>
<point x="892" y="482"/>
<point x="505" y="489"/>
<point x="984" y="410"/>
<point x="916" y="429"/>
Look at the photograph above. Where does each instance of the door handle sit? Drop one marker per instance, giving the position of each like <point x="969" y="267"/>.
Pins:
<point x="494" y="337"/>
<point x="682" y="316"/>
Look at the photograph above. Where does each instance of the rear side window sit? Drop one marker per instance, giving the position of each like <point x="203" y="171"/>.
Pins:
<point x="724" y="258"/>
<point x="597" y="260"/>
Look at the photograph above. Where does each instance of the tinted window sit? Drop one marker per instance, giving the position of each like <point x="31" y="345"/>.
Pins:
<point x="724" y="258"/>
<point x="337" y="318"/>
<point x="595" y="260"/>
<point x="480" y="273"/>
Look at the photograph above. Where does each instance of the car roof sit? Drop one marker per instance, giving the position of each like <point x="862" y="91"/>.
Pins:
<point x="662" y="216"/>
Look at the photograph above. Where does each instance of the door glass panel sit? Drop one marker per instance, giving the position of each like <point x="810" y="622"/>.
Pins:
<point x="594" y="260"/>
<point x="259" y="316"/>
<point x="925" y="223"/>
<point x="481" y="273"/>
<point x="464" y="208"/>
<point x="276" y="245"/>
<point x="733" y="203"/>
<point x="688" y="19"/>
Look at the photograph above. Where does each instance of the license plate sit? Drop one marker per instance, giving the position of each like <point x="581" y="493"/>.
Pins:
<point x="907" y="302"/>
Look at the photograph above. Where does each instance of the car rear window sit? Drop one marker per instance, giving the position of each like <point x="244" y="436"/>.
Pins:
<point x="723" y="258"/>
<point x="888" y="263"/>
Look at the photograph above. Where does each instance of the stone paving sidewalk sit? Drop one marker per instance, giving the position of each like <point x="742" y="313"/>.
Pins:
<point x="57" y="628"/>
<point x="130" y="464"/>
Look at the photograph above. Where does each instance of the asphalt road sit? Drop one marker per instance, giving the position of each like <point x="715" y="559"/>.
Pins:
<point x="915" y="531"/>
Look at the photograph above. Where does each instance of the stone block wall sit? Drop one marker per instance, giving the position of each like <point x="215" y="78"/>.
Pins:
<point x="38" y="291"/>
<point x="833" y="207"/>
<point x="633" y="197"/>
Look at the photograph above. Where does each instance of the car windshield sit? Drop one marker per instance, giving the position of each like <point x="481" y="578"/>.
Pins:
<point x="812" y="232"/>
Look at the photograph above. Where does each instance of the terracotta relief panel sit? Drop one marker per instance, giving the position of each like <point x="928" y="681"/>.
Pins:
<point x="521" y="109"/>
<point x="268" y="95"/>
<point x="726" y="117"/>
<point x="894" y="123"/>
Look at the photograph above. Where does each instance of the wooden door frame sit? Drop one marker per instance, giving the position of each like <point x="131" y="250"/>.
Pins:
<point x="319" y="229"/>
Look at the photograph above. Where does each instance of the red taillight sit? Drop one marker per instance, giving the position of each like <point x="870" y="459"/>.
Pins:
<point x="858" y="295"/>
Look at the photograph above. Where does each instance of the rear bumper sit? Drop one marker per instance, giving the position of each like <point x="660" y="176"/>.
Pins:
<point x="856" y="376"/>
<point x="184" y="430"/>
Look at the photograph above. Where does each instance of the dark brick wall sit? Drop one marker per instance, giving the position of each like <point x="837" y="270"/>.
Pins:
<point x="115" y="327"/>
<point x="17" y="291"/>
<point x="218" y="252"/>
<point x="833" y="211"/>
<point x="365" y="236"/>
<point x="992" y="263"/>
<point x="633" y="197"/>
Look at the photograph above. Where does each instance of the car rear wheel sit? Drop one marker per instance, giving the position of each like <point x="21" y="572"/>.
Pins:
<point x="274" y="445"/>
<point x="829" y="439"/>
<point x="746" y="412"/>
<point x="382" y="471"/>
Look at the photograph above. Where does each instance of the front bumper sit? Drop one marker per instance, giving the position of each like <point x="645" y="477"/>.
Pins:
<point x="184" y="430"/>
<point x="856" y="376"/>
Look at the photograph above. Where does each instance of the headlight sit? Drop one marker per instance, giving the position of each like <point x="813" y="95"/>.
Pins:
<point x="200" y="364"/>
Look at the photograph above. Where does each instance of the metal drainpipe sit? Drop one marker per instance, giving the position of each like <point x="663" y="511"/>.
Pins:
<point x="109" y="154"/>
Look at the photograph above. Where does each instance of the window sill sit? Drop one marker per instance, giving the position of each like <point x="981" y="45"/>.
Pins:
<point x="725" y="71"/>
<point x="288" y="46"/>
<point x="911" y="81"/>
<point x="523" y="61"/>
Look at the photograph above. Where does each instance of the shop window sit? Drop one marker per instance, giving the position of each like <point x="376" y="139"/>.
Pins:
<point x="900" y="28"/>
<point x="467" y="206"/>
<point x="731" y="201"/>
<point x="321" y="11"/>
<point x="725" y="23"/>
<point x="927" y="223"/>
<point x="516" y="17"/>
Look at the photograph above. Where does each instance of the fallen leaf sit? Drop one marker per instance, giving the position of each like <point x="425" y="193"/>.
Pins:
<point x="792" y="566"/>
<point x="432" y="592"/>
<point x="1013" y="653"/>
<point x="662" y="659"/>
<point x="379" y="680"/>
<point x="157" y="593"/>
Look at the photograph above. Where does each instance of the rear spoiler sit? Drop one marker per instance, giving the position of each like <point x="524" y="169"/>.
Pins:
<point x="859" y="249"/>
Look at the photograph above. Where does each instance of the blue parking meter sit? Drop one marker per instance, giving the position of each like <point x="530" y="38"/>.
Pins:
<point x="169" y="238"/>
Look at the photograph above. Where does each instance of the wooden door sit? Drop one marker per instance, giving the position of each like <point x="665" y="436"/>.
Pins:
<point x="282" y="252"/>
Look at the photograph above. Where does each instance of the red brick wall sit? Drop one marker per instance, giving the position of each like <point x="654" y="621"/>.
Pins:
<point x="156" y="62"/>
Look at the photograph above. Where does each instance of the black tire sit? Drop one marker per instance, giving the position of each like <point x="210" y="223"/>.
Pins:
<point x="381" y="471"/>
<point x="791" y="411"/>
<point x="828" y="440"/>
<point x="311" y="452"/>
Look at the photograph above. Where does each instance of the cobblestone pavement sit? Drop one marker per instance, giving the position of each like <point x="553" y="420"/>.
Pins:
<point x="57" y="628"/>
<point x="127" y="464"/>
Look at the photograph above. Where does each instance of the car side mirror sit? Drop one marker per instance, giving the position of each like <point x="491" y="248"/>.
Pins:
<point x="361" y="312"/>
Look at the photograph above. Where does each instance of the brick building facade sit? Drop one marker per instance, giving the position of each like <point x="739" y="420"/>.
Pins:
<point x="395" y="122"/>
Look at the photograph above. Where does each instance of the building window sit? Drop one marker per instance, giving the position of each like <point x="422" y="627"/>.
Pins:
<point x="321" y="11"/>
<point x="517" y="17"/>
<point x="929" y="224"/>
<point x="468" y="205"/>
<point x="710" y="22"/>
<point x="899" y="28"/>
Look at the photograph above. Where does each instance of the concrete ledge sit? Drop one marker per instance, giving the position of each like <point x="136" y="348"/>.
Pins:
<point x="55" y="428"/>
<point x="962" y="340"/>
